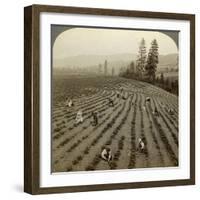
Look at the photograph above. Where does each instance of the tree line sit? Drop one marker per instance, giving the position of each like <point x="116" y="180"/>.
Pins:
<point x="145" y="67"/>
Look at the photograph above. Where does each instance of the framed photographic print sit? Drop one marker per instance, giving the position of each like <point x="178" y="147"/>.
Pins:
<point x="109" y="99"/>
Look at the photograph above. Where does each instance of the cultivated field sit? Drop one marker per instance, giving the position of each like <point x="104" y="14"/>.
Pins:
<point x="78" y="147"/>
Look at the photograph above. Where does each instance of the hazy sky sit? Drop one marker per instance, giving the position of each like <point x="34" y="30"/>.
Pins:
<point x="87" y="41"/>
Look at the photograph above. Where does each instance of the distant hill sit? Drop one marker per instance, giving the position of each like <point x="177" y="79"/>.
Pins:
<point x="89" y="60"/>
<point x="170" y="61"/>
<point x="117" y="61"/>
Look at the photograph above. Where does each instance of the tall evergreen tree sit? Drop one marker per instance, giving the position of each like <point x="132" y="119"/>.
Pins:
<point x="106" y="68"/>
<point x="141" y="60"/>
<point x="152" y="61"/>
<point x="162" y="78"/>
<point x="100" y="68"/>
<point x="113" y="71"/>
<point x="132" y="68"/>
<point x="121" y="71"/>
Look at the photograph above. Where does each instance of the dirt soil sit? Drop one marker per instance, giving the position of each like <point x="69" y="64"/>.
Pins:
<point x="78" y="147"/>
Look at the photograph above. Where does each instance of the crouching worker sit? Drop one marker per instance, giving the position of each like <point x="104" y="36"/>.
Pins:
<point x="110" y="102"/>
<point x="79" y="117"/>
<point x="69" y="103"/>
<point x="106" y="154"/>
<point x="118" y="94"/>
<point x="156" y="113"/>
<point x="171" y="111"/>
<point x="141" y="145"/>
<point x="147" y="100"/>
<point x="95" y="118"/>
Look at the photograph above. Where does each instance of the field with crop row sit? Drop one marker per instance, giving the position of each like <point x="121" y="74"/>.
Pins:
<point x="77" y="147"/>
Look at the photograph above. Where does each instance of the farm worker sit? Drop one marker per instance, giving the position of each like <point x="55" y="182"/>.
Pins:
<point x="118" y="94"/>
<point x="69" y="102"/>
<point x="79" y="117"/>
<point x="141" y="144"/>
<point x="110" y="102"/>
<point x="95" y="118"/>
<point x="106" y="154"/>
<point x="171" y="111"/>
<point x="156" y="113"/>
<point x="66" y="102"/>
<point x="147" y="100"/>
<point x="122" y="92"/>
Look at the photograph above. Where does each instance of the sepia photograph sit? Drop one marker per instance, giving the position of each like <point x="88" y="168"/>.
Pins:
<point x="114" y="98"/>
<point x="109" y="99"/>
